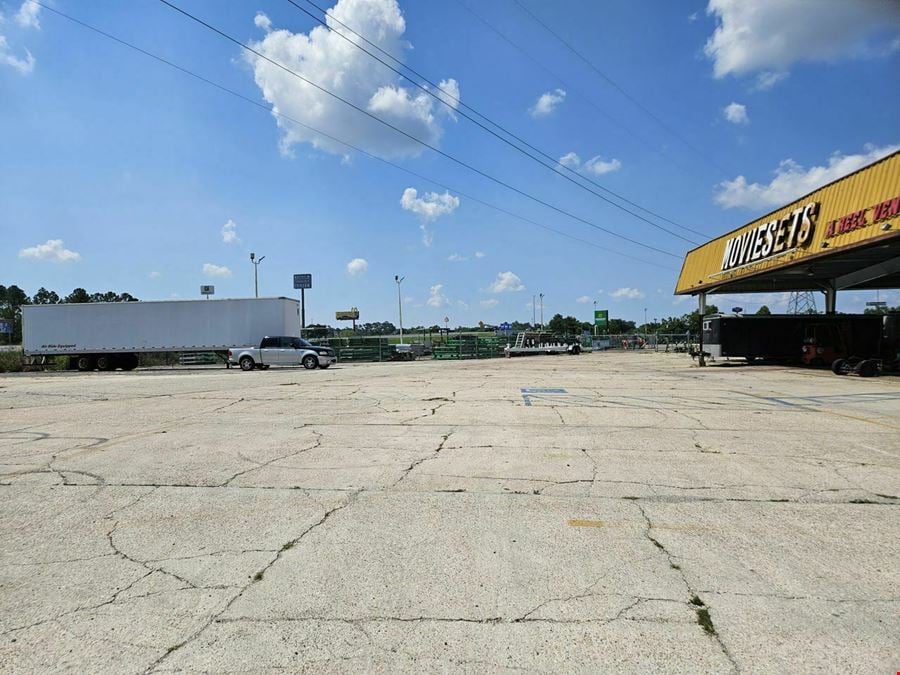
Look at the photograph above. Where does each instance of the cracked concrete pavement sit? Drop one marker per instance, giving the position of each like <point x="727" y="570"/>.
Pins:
<point x="630" y="512"/>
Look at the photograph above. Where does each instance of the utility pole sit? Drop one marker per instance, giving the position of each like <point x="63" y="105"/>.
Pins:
<point x="255" y="262"/>
<point x="399" y="280"/>
<point x="541" y="295"/>
<point x="533" y="310"/>
<point x="595" y="318"/>
<point x="645" y="318"/>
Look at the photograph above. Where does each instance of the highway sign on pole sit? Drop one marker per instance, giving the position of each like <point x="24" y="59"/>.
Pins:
<point x="601" y="318"/>
<point x="302" y="281"/>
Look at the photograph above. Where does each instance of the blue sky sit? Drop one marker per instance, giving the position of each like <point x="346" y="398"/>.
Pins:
<point x="120" y="173"/>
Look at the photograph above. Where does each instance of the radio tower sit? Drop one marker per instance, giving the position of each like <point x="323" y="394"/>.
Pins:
<point x="802" y="302"/>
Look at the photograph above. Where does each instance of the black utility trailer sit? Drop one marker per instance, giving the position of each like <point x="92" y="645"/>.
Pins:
<point x="781" y="337"/>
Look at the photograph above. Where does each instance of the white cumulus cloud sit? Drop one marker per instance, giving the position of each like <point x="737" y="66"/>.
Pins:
<point x="53" y="250"/>
<point x="456" y="257"/>
<point x="480" y="254"/>
<point x="429" y="207"/>
<point x="436" y="297"/>
<point x="792" y="181"/>
<point x="23" y="65"/>
<point x="547" y="103"/>
<point x="769" y="36"/>
<point x="596" y="164"/>
<point x="229" y="232"/>
<point x="262" y="21"/>
<point x="736" y="113"/>
<point x="768" y="79"/>
<point x="332" y="62"/>
<point x="585" y="299"/>
<point x="27" y="16"/>
<point x="571" y="160"/>
<point x="211" y="270"/>
<point x="153" y="275"/>
<point x="490" y="303"/>
<point x="357" y="266"/>
<point x="626" y="293"/>
<point x="506" y="282"/>
<point x="599" y="166"/>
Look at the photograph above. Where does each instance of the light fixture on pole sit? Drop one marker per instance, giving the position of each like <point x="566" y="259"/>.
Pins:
<point x="541" y="296"/>
<point x="255" y="261"/>
<point x="399" y="280"/>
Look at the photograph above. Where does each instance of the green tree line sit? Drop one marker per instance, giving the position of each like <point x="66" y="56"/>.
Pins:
<point x="12" y="298"/>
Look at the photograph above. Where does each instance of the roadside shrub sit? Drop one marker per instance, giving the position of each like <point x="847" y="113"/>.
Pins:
<point x="11" y="362"/>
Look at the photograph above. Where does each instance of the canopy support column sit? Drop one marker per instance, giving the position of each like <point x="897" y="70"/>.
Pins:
<point x="830" y="292"/>
<point x="702" y="299"/>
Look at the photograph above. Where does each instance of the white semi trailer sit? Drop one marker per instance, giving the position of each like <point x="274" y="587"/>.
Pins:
<point x="110" y="335"/>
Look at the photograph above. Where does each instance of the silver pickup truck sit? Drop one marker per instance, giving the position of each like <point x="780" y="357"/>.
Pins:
<point x="281" y="351"/>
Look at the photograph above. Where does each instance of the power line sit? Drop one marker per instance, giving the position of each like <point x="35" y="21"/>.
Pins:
<point x="443" y="100"/>
<point x="400" y="131"/>
<point x="267" y="109"/>
<point x="569" y="87"/>
<point x="615" y="85"/>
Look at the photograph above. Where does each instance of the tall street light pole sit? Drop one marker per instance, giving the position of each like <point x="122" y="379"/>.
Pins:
<point x="645" y="318"/>
<point x="399" y="280"/>
<point x="541" y="295"/>
<point x="255" y="261"/>
<point x="533" y="311"/>
<point x="595" y="317"/>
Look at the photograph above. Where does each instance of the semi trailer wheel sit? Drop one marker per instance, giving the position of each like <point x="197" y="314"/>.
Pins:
<point x="128" y="361"/>
<point x="105" y="362"/>
<point x="838" y="367"/>
<point x="868" y="368"/>
<point x="85" y="363"/>
<point x="246" y="363"/>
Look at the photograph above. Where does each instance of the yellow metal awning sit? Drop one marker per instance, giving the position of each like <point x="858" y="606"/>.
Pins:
<point x="845" y="235"/>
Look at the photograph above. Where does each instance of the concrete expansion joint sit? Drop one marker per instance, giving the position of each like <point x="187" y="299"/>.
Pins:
<point x="704" y="619"/>
<point x="804" y="598"/>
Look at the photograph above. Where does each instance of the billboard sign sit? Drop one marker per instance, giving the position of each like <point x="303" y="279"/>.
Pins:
<point x="351" y="315"/>
<point x="303" y="281"/>
<point x="207" y="290"/>
<point x="601" y="318"/>
<point x="6" y="326"/>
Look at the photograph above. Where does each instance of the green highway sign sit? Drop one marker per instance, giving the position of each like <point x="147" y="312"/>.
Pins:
<point x="601" y="318"/>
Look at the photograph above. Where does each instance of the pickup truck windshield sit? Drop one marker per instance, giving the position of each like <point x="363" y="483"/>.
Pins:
<point x="300" y="343"/>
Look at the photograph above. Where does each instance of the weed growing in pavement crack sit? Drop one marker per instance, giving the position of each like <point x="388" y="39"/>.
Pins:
<point x="705" y="621"/>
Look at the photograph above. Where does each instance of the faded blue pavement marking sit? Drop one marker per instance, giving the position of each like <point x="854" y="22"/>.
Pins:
<point x="527" y="394"/>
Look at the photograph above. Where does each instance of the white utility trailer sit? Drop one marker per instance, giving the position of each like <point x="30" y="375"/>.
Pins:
<point x="109" y="335"/>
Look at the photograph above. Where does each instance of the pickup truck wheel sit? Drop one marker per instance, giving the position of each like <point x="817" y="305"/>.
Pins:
<point x="246" y="363"/>
<point x="310" y="362"/>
